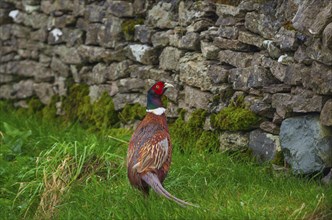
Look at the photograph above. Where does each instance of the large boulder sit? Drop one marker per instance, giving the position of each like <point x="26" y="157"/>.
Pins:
<point x="306" y="143"/>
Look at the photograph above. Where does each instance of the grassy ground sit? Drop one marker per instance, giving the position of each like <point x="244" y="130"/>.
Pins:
<point x="53" y="170"/>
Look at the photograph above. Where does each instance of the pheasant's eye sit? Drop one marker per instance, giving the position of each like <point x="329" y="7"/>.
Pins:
<point x="157" y="86"/>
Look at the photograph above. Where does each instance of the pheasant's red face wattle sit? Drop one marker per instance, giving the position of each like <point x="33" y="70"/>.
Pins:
<point x="158" y="88"/>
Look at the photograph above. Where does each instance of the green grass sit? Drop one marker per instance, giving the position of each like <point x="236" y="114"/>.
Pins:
<point x="60" y="171"/>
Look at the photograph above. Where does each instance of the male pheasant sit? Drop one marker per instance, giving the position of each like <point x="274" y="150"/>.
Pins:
<point x="150" y="149"/>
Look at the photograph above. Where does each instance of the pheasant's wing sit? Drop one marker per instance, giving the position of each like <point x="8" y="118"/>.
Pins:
<point x="153" y="153"/>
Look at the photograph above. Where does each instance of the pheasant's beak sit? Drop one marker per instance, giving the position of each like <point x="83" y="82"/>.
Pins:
<point x="168" y="85"/>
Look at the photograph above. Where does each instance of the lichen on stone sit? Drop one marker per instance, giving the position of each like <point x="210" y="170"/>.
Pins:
<point x="128" y="28"/>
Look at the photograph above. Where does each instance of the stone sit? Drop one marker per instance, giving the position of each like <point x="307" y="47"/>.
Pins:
<point x="293" y="74"/>
<point x="97" y="75"/>
<point x="121" y="8"/>
<point x="119" y="70"/>
<point x="247" y="37"/>
<point x="195" y="98"/>
<point x="39" y="35"/>
<point x="94" y="13"/>
<point x="4" y="79"/>
<point x="317" y="52"/>
<point x="143" y="54"/>
<point x="193" y="11"/>
<point x="306" y="144"/>
<point x="120" y="100"/>
<point x="236" y="59"/>
<point x="44" y="92"/>
<point x="59" y="67"/>
<point x="194" y="71"/>
<point x="229" y="10"/>
<point x="229" y="32"/>
<point x="209" y="50"/>
<point x="74" y="37"/>
<point x="96" y="91"/>
<point x="68" y="55"/>
<point x="143" y="34"/>
<point x="130" y="85"/>
<point x="34" y="69"/>
<point x="190" y="41"/>
<point x="322" y="19"/>
<point x="311" y="16"/>
<point x="320" y="79"/>
<point x="169" y="58"/>
<point x="160" y="39"/>
<point x="218" y="73"/>
<point x="277" y="88"/>
<point x="269" y="127"/>
<point x="272" y="49"/>
<point x="94" y="54"/>
<point x="327" y="36"/>
<point x="301" y="55"/>
<point x="161" y="16"/>
<point x="20" y="31"/>
<point x="326" y="114"/>
<point x="233" y="141"/>
<point x="327" y="180"/>
<point x="228" y="44"/>
<point x="259" y="106"/>
<point x="92" y="34"/>
<point x="200" y="25"/>
<point x="264" y="146"/>
<point x="287" y="39"/>
<point x="249" y="77"/>
<point x="261" y="24"/>
<point x="23" y="89"/>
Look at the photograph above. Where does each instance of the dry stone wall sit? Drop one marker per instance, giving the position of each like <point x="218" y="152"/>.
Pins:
<point x="277" y="54"/>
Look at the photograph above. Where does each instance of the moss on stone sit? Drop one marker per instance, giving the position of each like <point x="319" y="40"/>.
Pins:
<point x="208" y="141"/>
<point x="279" y="158"/>
<point x="131" y="113"/>
<point x="49" y="111"/>
<point x="233" y="118"/>
<point x="128" y="28"/>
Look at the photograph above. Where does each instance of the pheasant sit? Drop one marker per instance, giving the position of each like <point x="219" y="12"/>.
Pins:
<point x="150" y="149"/>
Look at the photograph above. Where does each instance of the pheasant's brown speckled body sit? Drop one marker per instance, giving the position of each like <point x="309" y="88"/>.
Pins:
<point x="150" y="149"/>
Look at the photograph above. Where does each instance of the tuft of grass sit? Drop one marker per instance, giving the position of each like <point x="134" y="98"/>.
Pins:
<point x="64" y="171"/>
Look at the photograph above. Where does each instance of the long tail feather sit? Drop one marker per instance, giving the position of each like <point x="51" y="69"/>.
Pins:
<point x="153" y="181"/>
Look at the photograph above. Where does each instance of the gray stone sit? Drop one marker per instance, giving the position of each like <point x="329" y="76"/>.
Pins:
<point x="200" y="25"/>
<point x="312" y="16"/>
<point x="195" y="98"/>
<point x="277" y="88"/>
<point x="264" y="146"/>
<point x="119" y="70"/>
<point x="20" y="31"/>
<point x="143" y="34"/>
<point x="160" y="38"/>
<point x="317" y="52"/>
<point x="169" y="58"/>
<point x="110" y="33"/>
<point x="143" y="54"/>
<point x="68" y="55"/>
<point x="94" y="54"/>
<point x="97" y="75"/>
<point x="229" y="10"/>
<point x="94" y="13"/>
<point x="209" y="50"/>
<point x="74" y="37"/>
<point x="287" y="39"/>
<point x="250" y="77"/>
<point x="233" y="141"/>
<point x="307" y="144"/>
<point x="272" y="49"/>
<point x="218" y="73"/>
<point x="250" y="38"/>
<point x="301" y="55"/>
<point x="59" y="67"/>
<point x="269" y="127"/>
<point x="327" y="180"/>
<point x="327" y="36"/>
<point x="23" y="89"/>
<point x="261" y="24"/>
<point x="237" y="59"/>
<point x="6" y="79"/>
<point x="190" y="41"/>
<point x="35" y="20"/>
<point x="120" y="100"/>
<point x="194" y="71"/>
<point x="39" y="35"/>
<point x="44" y="92"/>
<point x="96" y="91"/>
<point x="229" y="32"/>
<point x="161" y="16"/>
<point x="259" y="106"/>
<point x="228" y="44"/>
<point x="320" y="79"/>
<point x="130" y="85"/>
<point x="92" y="34"/>
<point x="192" y="11"/>
<point x="293" y="74"/>
<point x="121" y="8"/>
<point x="326" y="114"/>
